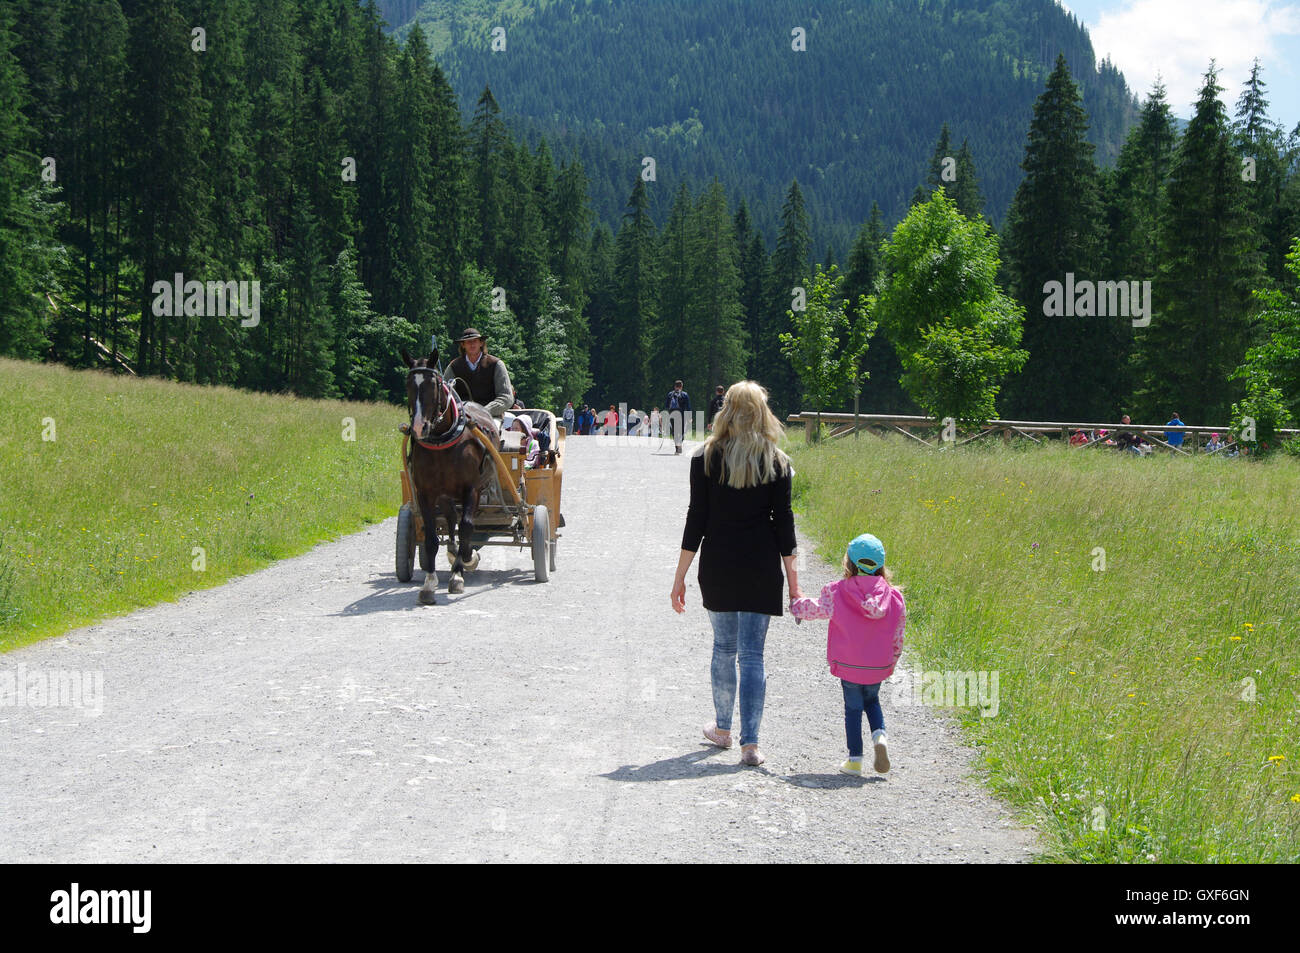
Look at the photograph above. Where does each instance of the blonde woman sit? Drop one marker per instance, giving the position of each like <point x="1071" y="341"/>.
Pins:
<point x="740" y="522"/>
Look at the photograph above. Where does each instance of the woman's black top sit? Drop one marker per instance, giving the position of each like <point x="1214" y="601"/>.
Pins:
<point x="745" y="533"/>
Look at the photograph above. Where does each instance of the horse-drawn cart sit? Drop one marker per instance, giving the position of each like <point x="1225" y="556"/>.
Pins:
<point x="517" y="506"/>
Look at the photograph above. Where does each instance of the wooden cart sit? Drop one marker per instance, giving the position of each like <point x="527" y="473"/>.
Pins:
<point x="517" y="506"/>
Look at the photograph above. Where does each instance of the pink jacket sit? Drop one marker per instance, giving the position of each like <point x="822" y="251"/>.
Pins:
<point x="866" y="629"/>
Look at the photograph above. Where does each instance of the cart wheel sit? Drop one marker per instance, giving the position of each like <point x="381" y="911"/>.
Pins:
<point x="405" y="543"/>
<point x="541" y="543"/>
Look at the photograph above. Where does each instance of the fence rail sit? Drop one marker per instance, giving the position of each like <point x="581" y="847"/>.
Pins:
<point x="1037" y="430"/>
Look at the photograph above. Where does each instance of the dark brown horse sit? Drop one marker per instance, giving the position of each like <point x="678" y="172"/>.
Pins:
<point x="446" y="464"/>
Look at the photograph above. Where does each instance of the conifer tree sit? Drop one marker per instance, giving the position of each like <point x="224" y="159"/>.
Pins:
<point x="636" y="281"/>
<point x="27" y="251"/>
<point x="965" y="191"/>
<point x="715" y="311"/>
<point x="602" y="310"/>
<point x="1055" y="227"/>
<point x="1259" y="141"/>
<point x="753" y="279"/>
<point x="672" y="344"/>
<point x="414" y="293"/>
<point x="168" y="119"/>
<point x="1202" y="317"/>
<point x="938" y="160"/>
<point x="789" y="270"/>
<point x="881" y="391"/>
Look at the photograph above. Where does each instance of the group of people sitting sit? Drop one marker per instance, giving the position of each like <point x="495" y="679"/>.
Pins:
<point x="1127" y="440"/>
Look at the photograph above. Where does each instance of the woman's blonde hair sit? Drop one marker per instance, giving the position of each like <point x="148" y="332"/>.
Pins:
<point x="745" y="434"/>
<point x="851" y="569"/>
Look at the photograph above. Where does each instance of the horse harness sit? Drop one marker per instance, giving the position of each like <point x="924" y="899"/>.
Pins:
<point x="456" y="432"/>
<point x="460" y="425"/>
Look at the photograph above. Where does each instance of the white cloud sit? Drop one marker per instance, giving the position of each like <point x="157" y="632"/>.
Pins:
<point x="1178" y="38"/>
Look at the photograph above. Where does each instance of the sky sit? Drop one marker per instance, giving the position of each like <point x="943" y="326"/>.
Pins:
<point x="1177" y="39"/>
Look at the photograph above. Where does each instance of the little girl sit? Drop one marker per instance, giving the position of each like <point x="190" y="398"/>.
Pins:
<point x="867" y="616"/>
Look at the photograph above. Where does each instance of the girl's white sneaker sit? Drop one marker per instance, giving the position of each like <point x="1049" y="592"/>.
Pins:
<point x="881" y="743"/>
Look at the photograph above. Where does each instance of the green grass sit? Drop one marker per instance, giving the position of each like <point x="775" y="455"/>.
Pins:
<point x="105" y="518"/>
<point x="1122" y="690"/>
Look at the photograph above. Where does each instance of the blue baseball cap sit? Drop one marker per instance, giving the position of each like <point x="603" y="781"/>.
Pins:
<point x="867" y="553"/>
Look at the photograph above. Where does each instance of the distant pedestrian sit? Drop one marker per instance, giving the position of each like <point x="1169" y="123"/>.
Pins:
<point x="611" y="420"/>
<point x="568" y="416"/>
<point x="715" y="405"/>
<point x="865" y="639"/>
<point x="678" y="405"/>
<point x="740" y="522"/>
<point x="654" y="422"/>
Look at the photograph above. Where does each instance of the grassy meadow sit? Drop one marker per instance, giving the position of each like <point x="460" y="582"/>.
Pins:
<point x="106" y="517"/>
<point x="1143" y="616"/>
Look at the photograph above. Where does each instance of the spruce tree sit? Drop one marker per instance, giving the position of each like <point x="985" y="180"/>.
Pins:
<point x="938" y="161"/>
<point x="89" y="165"/>
<point x="789" y="270"/>
<point x="623" y="350"/>
<point x="881" y="391"/>
<point x="1202" y="317"/>
<point x="492" y="164"/>
<point x="1259" y="141"/>
<point x="414" y="293"/>
<point x="602" y="310"/>
<point x="753" y="278"/>
<point x="569" y="243"/>
<point x="672" y="347"/>
<point x="965" y="191"/>
<point x="27" y="251"/>
<point x="1056" y="227"/>
<point x="168" y="119"/>
<point x="717" y="333"/>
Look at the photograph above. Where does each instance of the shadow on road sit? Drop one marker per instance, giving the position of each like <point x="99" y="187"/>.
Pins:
<point x="829" y="781"/>
<point x="393" y="596"/>
<point x="693" y="764"/>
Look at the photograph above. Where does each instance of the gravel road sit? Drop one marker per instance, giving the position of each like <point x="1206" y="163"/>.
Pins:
<point x="315" y="712"/>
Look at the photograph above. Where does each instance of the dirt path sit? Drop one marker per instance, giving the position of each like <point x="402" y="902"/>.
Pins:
<point x="314" y="712"/>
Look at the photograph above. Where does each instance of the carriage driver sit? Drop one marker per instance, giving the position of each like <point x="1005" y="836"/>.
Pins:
<point x="482" y="376"/>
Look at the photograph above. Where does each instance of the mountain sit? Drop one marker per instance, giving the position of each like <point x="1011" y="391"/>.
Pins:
<point x="714" y="87"/>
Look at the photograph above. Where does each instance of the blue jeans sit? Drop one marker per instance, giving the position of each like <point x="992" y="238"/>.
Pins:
<point x="739" y="636"/>
<point x="859" y="698"/>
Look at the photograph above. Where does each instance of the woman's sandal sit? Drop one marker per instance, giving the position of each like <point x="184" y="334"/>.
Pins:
<point x="717" y="736"/>
<point x="749" y="754"/>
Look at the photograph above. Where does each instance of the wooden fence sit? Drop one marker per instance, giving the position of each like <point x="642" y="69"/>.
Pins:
<point x="1036" y="430"/>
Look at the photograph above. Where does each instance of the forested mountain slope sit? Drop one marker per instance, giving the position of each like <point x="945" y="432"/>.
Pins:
<point x="713" y="87"/>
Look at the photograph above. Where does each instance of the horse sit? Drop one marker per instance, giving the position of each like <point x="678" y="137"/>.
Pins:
<point x="446" y="463"/>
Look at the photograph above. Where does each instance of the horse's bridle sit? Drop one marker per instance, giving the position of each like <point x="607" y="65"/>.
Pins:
<point x="455" y="432"/>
